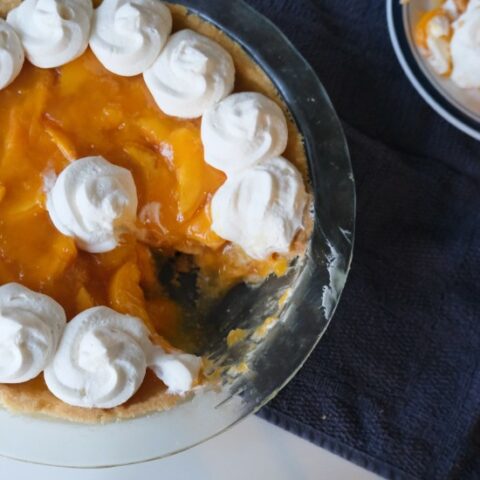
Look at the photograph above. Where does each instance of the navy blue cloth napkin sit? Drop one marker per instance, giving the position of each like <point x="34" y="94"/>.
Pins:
<point x="395" y="383"/>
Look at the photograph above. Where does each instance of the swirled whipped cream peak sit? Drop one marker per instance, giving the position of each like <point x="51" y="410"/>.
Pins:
<point x="102" y="360"/>
<point x="262" y="208"/>
<point x="11" y="54"/>
<point x="465" y="47"/>
<point x="94" y="202"/>
<point x="191" y="74"/>
<point x="242" y="130"/>
<point x="128" y="35"/>
<point x="178" y="371"/>
<point x="31" y="325"/>
<point x="53" y="32"/>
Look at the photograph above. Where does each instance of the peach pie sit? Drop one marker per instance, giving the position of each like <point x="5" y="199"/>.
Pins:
<point x="133" y="134"/>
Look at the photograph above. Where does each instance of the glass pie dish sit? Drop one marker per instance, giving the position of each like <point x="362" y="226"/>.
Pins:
<point x="260" y="364"/>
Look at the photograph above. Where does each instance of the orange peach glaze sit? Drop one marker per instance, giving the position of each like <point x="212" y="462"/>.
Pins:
<point x="49" y="118"/>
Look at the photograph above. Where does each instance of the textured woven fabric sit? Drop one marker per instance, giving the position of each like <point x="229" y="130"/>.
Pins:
<point x="395" y="383"/>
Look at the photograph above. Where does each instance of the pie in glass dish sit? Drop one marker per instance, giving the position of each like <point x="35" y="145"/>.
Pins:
<point x="135" y="137"/>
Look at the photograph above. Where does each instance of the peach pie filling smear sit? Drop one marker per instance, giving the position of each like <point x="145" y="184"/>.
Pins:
<point x="51" y="117"/>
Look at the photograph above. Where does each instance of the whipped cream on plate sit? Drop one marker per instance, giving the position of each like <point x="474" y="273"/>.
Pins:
<point x="191" y="74"/>
<point x="94" y="202"/>
<point x="261" y="209"/>
<point x="438" y="32"/>
<point x="102" y="360"/>
<point x="242" y="130"/>
<point x="128" y="35"/>
<point x="11" y="54"/>
<point x="53" y="32"/>
<point x="31" y="325"/>
<point x="465" y="47"/>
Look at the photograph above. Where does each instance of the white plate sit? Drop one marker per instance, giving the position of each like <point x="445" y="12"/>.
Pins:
<point x="459" y="107"/>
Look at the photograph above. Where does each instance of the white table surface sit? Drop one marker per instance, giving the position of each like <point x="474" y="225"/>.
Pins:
<point x="252" y="450"/>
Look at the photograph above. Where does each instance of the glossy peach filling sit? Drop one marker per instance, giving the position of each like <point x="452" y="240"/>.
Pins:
<point x="49" y="118"/>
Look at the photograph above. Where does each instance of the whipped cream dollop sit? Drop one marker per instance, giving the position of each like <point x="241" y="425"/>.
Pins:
<point x="242" y="130"/>
<point x="191" y="74"/>
<point x="53" y="32"/>
<point x="438" y="44"/>
<point x="261" y="209"/>
<point x="465" y="47"/>
<point x="102" y="360"/>
<point x="11" y="54"/>
<point x="94" y="202"/>
<point x="178" y="371"/>
<point x="128" y="35"/>
<point x="31" y="325"/>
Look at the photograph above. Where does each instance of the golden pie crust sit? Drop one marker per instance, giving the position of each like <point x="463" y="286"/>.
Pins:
<point x="33" y="397"/>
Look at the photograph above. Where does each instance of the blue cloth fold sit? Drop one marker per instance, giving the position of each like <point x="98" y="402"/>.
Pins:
<point x="395" y="383"/>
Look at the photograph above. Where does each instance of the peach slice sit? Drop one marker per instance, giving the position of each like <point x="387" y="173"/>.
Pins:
<point x="36" y="103"/>
<point x="114" y="259"/>
<point x="15" y="140"/>
<point x="59" y="257"/>
<point x="73" y="76"/>
<point x="190" y="170"/>
<point x="156" y="130"/>
<point x="146" y="265"/>
<point x="84" y="300"/>
<point x="125" y="294"/>
<point x="142" y="157"/>
<point x="39" y="257"/>
<point x="25" y="200"/>
<point x="199" y="229"/>
<point x="61" y="140"/>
